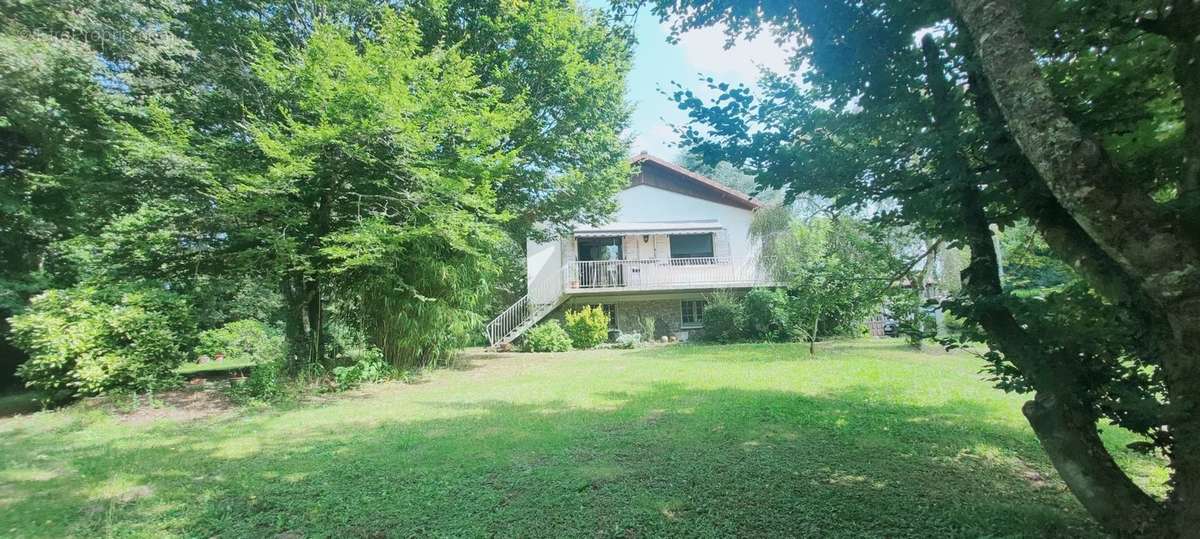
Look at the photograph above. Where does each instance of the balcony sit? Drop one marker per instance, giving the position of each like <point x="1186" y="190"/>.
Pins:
<point x="664" y="274"/>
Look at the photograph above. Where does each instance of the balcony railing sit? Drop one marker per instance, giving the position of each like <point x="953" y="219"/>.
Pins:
<point x="665" y="274"/>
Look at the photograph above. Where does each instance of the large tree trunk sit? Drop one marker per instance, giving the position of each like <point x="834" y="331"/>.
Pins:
<point x="304" y="323"/>
<point x="1062" y="423"/>
<point x="1149" y="241"/>
<point x="1060" y="418"/>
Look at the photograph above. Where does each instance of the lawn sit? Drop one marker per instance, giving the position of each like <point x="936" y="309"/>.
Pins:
<point x="869" y="439"/>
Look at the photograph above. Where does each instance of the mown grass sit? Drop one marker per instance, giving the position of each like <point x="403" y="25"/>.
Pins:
<point x="869" y="439"/>
<point x="215" y="367"/>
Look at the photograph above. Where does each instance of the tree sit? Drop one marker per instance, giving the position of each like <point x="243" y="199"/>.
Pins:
<point x="957" y="117"/>
<point x="565" y="62"/>
<point x="375" y="187"/>
<point x="78" y="80"/>
<point x="837" y="270"/>
<point x="136" y="136"/>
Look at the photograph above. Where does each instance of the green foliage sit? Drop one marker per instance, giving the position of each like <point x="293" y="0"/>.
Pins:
<point x="837" y="271"/>
<point x="649" y="327"/>
<point x="366" y="160"/>
<point x="368" y="368"/>
<point x="568" y="65"/>
<point x="587" y="326"/>
<point x="548" y="336"/>
<point x="1029" y="265"/>
<point x="379" y="178"/>
<point x="91" y="341"/>
<point x="266" y="384"/>
<point x="911" y="311"/>
<point x="628" y="340"/>
<point x="724" y="318"/>
<point x="243" y="341"/>
<point x="768" y="317"/>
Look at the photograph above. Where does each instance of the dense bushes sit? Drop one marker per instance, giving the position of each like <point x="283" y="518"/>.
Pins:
<point x="548" y="337"/>
<point x="724" y="318"/>
<point x="587" y="326"/>
<point x="90" y="341"/>
<point x="767" y="316"/>
<point x="243" y="341"/>
<point x="770" y="315"/>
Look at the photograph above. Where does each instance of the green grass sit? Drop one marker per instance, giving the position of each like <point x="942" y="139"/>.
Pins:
<point x="870" y="439"/>
<point x="214" y="367"/>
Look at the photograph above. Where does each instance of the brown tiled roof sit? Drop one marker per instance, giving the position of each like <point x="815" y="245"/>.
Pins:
<point x="691" y="184"/>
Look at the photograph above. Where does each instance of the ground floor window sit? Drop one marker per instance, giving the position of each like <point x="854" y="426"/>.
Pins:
<point x="692" y="314"/>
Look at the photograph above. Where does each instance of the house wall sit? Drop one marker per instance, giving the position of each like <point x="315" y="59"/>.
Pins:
<point x="665" y="308"/>
<point x="543" y="264"/>
<point x="647" y="203"/>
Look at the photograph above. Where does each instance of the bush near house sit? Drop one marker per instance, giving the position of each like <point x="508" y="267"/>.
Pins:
<point x="649" y="327"/>
<point x="767" y="316"/>
<point x="587" y="326"/>
<point x="549" y="336"/>
<point x="724" y="318"/>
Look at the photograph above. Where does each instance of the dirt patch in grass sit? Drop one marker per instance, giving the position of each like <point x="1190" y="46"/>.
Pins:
<point x="186" y="404"/>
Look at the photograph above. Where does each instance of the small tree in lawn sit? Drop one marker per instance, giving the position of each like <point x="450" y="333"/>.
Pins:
<point x="835" y="270"/>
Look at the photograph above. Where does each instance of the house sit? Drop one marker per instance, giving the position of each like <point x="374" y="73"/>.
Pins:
<point x="675" y="238"/>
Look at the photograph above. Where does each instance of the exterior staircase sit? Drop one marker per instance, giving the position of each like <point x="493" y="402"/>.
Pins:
<point x="524" y="314"/>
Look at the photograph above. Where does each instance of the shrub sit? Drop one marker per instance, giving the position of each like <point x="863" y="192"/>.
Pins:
<point x="90" y="340"/>
<point x="243" y="340"/>
<point x="724" y="318"/>
<point x="648" y="326"/>
<point x="265" y="384"/>
<point x="767" y="317"/>
<point x="587" y="326"/>
<point x="629" y="340"/>
<point x="370" y="367"/>
<point x="548" y="337"/>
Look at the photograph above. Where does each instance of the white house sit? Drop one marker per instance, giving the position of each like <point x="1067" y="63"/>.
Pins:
<point x="676" y="237"/>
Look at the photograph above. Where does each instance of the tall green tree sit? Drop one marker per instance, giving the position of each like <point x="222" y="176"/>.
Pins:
<point x="954" y="117"/>
<point x="78" y="80"/>
<point x="376" y="186"/>
<point x="567" y="63"/>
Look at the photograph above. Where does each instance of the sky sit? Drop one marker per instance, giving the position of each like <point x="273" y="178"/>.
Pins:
<point x="700" y="53"/>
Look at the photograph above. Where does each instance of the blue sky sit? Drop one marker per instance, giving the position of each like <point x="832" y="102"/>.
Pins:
<point x="699" y="53"/>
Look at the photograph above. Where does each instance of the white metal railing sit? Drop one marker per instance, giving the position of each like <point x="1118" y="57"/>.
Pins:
<point x="541" y="297"/>
<point x="665" y="273"/>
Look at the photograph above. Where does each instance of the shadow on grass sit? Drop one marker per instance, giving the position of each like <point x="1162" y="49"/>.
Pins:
<point x="669" y="460"/>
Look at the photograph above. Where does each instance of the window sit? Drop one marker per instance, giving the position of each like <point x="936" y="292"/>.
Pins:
<point x="692" y="245"/>
<point x="692" y="314"/>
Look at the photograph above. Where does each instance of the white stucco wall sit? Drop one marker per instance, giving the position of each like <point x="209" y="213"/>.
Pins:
<point x="646" y="203"/>
<point x="543" y="264"/>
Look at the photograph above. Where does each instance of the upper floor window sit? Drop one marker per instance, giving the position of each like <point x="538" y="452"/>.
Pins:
<point x="692" y="245"/>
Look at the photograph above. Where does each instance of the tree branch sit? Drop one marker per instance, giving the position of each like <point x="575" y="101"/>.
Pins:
<point x="1133" y="229"/>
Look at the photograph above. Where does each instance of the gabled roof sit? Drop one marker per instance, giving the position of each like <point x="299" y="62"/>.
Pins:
<point x="666" y="175"/>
